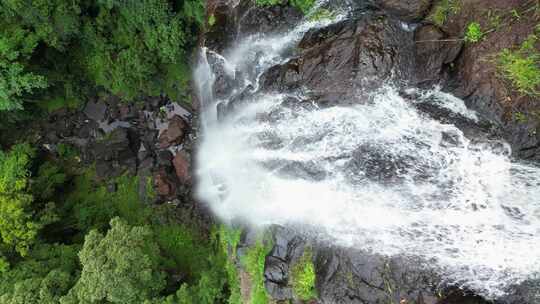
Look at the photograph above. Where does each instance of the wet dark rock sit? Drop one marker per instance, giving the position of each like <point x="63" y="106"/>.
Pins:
<point x="349" y="276"/>
<point x="288" y="248"/>
<point x="127" y="112"/>
<point x="346" y="59"/>
<point x="95" y="110"/>
<point x="377" y="163"/>
<point x="225" y="79"/>
<point x="223" y="31"/>
<point x="115" y="153"/>
<point x="432" y="54"/>
<point x="164" y="158"/>
<point x="234" y="102"/>
<point x="406" y="10"/>
<point x="254" y="19"/>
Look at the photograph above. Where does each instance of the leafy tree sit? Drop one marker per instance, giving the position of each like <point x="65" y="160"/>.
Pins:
<point x="47" y="274"/>
<point x="20" y="221"/>
<point x="23" y="25"/>
<point x="132" y="45"/>
<point x="16" y="46"/>
<point x="120" y="267"/>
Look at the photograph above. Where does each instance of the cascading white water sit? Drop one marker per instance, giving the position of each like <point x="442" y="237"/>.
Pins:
<point x="378" y="175"/>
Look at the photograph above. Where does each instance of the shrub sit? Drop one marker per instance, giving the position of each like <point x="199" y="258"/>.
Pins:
<point x="126" y="260"/>
<point x="443" y="9"/>
<point x="521" y="66"/>
<point x="303" y="5"/>
<point x="474" y="32"/>
<point x="303" y="277"/>
<point x="20" y="217"/>
<point x="253" y="262"/>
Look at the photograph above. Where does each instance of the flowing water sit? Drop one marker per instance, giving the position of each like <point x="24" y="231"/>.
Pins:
<point x="378" y="175"/>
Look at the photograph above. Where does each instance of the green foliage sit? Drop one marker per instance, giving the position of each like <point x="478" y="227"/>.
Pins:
<point x="57" y="52"/>
<point x="16" y="46"/>
<point x="443" y="9"/>
<point x="253" y="262"/>
<point x="91" y="205"/>
<point x="520" y="117"/>
<point x="183" y="248"/>
<point x="303" y="5"/>
<point x="47" y="274"/>
<point x="229" y="239"/>
<point x="322" y="14"/>
<point x="303" y="277"/>
<point x="20" y="219"/>
<point x="521" y="66"/>
<point x="120" y="267"/>
<point x="24" y="25"/>
<point x="131" y="44"/>
<point x="474" y="32"/>
<point x="268" y="2"/>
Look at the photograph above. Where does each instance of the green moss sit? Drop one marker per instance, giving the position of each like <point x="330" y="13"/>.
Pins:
<point x="474" y="32"/>
<point x="302" y="5"/>
<point x="253" y="262"/>
<point x="443" y="9"/>
<point x="303" y="277"/>
<point x="522" y="67"/>
<point x="229" y="239"/>
<point x="520" y="117"/>
<point x="322" y="14"/>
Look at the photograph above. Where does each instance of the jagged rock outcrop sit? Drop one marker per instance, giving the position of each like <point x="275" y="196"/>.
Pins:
<point x="344" y="60"/>
<point x="406" y="10"/>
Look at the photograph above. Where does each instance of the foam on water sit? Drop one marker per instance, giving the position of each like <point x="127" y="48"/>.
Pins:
<point x="379" y="176"/>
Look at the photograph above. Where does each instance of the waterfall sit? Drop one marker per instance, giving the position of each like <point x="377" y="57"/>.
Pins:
<point x="378" y="175"/>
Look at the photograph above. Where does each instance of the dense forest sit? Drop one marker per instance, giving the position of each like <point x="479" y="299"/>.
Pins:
<point x="65" y="237"/>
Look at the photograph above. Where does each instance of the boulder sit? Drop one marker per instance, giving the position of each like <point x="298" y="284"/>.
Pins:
<point x="406" y="10"/>
<point x="432" y="54"/>
<point x="267" y="19"/>
<point x="163" y="185"/>
<point x="115" y="154"/>
<point x="174" y="133"/>
<point x="344" y="60"/>
<point x="182" y="167"/>
<point x="95" y="110"/>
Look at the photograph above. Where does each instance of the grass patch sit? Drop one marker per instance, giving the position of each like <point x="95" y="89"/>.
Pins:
<point x="303" y="277"/>
<point x="443" y="9"/>
<point x="253" y="262"/>
<point x="521" y="67"/>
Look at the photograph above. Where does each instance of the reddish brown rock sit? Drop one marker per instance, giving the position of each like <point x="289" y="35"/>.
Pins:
<point x="164" y="187"/>
<point x="181" y="166"/>
<point x="174" y="133"/>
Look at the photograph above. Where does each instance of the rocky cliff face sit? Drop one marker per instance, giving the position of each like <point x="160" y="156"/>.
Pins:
<point x="383" y="41"/>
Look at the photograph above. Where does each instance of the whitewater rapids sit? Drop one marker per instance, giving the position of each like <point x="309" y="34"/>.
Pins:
<point x="378" y="175"/>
